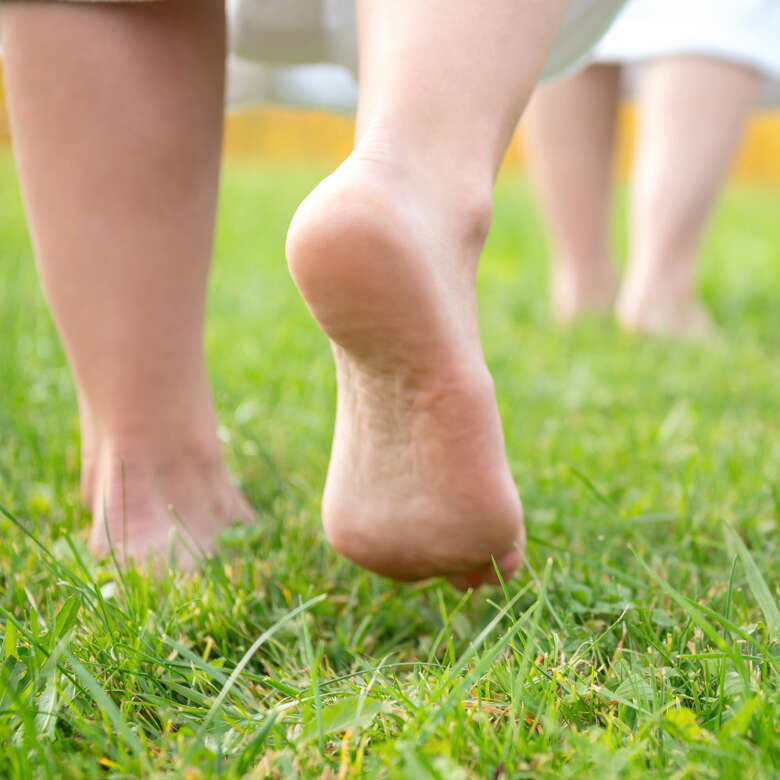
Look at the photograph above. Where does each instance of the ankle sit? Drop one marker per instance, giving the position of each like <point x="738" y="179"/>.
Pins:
<point x="139" y="470"/>
<point x="654" y="281"/>
<point x="149" y="503"/>
<point x="460" y="195"/>
<point x="598" y="264"/>
<point x="582" y="287"/>
<point x="163" y="454"/>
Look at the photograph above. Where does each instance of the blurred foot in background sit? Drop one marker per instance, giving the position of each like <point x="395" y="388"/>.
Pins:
<point x="570" y="128"/>
<point x="692" y="109"/>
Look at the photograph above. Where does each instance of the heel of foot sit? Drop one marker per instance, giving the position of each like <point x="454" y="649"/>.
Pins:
<point x="357" y="254"/>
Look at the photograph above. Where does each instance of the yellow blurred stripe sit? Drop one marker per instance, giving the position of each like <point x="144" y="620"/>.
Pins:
<point x="291" y="134"/>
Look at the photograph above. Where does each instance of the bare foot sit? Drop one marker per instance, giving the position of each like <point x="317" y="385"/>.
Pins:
<point x="578" y="290"/>
<point x="418" y="483"/>
<point x="88" y="451"/>
<point x="156" y="509"/>
<point x="663" y="309"/>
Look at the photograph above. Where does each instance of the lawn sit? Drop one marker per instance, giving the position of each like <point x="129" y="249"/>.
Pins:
<point x="642" y="640"/>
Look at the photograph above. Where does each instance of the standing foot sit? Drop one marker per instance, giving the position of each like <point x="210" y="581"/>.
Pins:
<point x="579" y="289"/>
<point x="418" y="483"/>
<point x="156" y="508"/>
<point x="661" y="307"/>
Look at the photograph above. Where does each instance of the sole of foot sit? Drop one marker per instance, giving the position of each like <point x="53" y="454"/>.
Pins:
<point x="161" y="514"/>
<point x="418" y="483"/>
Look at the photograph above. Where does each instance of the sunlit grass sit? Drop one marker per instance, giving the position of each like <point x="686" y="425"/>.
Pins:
<point x="642" y="640"/>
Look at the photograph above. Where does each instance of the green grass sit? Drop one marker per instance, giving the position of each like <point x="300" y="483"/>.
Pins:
<point x="643" y="640"/>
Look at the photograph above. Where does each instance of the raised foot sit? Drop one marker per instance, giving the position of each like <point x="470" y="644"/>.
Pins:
<point x="158" y="511"/>
<point x="418" y="484"/>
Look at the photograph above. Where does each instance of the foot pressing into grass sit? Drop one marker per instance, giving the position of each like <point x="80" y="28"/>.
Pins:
<point x="663" y="303"/>
<point x="579" y="289"/>
<point x="154" y="506"/>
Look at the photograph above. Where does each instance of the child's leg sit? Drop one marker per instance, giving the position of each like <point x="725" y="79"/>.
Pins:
<point x="692" y="113"/>
<point x="116" y="117"/>
<point x="385" y="253"/>
<point x="570" y="128"/>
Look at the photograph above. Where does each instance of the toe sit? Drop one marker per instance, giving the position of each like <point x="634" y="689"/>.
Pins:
<point x="486" y="575"/>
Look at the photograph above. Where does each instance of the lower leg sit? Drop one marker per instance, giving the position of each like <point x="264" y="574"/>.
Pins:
<point x="385" y="253"/>
<point x="692" y="111"/>
<point x="116" y="117"/>
<point x="569" y="132"/>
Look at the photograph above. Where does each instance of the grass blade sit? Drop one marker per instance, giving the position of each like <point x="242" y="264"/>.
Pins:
<point x="757" y="584"/>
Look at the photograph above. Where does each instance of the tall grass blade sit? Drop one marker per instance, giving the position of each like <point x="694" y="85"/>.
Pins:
<point x="757" y="584"/>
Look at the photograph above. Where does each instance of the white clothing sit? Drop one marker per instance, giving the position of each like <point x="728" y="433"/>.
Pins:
<point x="270" y="40"/>
<point x="740" y="31"/>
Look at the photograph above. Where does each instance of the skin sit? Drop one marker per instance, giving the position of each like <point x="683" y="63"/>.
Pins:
<point x="384" y="252"/>
<point x="121" y="202"/>
<point x="691" y="116"/>
<point x="570" y="165"/>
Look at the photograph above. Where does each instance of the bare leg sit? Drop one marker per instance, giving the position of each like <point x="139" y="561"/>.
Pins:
<point x="570" y="129"/>
<point x="385" y="253"/>
<point x="116" y="117"/>
<point x="692" y="113"/>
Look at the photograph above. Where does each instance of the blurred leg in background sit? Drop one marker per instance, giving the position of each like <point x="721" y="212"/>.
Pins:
<point x="116" y="116"/>
<point x="569" y="132"/>
<point x="385" y="253"/>
<point x="692" y="111"/>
